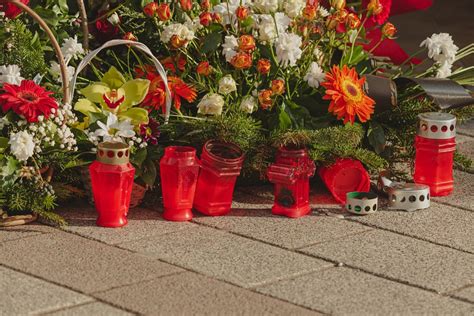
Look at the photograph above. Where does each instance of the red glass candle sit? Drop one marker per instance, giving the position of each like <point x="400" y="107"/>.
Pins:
<point x="290" y="173"/>
<point x="220" y="166"/>
<point x="344" y="176"/>
<point x="179" y="169"/>
<point x="112" y="180"/>
<point x="435" y="146"/>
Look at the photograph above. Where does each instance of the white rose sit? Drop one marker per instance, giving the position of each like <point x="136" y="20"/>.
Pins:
<point x="227" y="85"/>
<point x="249" y="104"/>
<point x="229" y="48"/>
<point x="211" y="103"/>
<point x="178" y="29"/>
<point x="294" y="7"/>
<point x="266" y="6"/>
<point x="22" y="145"/>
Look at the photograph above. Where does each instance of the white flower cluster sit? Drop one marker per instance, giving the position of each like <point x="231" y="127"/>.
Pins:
<point x="55" y="71"/>
<point x="227" y="85"/>
<point x="288" y="49"/>
<point x="10" y="74"/>
<point x="211" y="104"/>
<point x="226" y="10"/>
<point x="442" y="50"/>
<point x="180" y="30"/>
<point x="293" y="8"/>
<point x="269" y="27"/>
<point x="266" y="6"/>
<point x="315" y="75"/>
<point x="71" y="49"/>
<point x="230" y="47"/>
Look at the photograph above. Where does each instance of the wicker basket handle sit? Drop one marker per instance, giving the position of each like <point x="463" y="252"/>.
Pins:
<point x="142" y="47"/>
<point x="57" y="48"/>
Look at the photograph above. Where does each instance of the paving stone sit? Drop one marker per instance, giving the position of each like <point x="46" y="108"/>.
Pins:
<point x="343" y="291"/>
<point x="440" y="224"/>
<point x="226" y="256"/>
<point x="467" y="148"/>
<point x="282" y="231"/>
<point x="467" y="128"/>
<point x="80" y="263"/>
<point x="466" y="293"/>
<point x="22" y="294"/>
<point x="94" y="308"/>
<point x="23" y="231"/>
<point x="192" y="294"/>
<point x="142" y="223"/>
<point x="463" y="190"/>
<point x="402" y="258"/>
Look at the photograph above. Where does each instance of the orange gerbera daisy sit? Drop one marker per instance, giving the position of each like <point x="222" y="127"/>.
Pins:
<point x="348" y="99"/>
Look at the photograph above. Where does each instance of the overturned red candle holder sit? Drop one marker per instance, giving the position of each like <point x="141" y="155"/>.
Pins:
<point x="112" y="178"/>
<point x="435" y="145"/>
<point x="290" y="173"/>
<point x="179" y="170"/>
<point x="220" y="166"/>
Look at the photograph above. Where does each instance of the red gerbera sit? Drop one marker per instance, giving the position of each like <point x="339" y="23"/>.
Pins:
<point x="156" y="97"/>
<point x="11" y="11"/>
<point x="27" y="100"/>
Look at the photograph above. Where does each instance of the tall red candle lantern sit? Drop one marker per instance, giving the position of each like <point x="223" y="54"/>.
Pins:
<point x="112" y="180"/>
<point x="221" y="164"/>
<point x="179" y="169"/>
<point x="290" y="173"/>
<point x="344" y="176"/>
<point x="435" y="145"/>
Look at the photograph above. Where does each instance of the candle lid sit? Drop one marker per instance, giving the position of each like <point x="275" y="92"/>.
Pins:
<point x="435" y="125"/>
<point x="361" y="203"/>
<point x="113" y="153"/>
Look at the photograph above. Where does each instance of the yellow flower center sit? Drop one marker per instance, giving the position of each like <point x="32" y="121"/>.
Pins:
<point x="352" y="91"/>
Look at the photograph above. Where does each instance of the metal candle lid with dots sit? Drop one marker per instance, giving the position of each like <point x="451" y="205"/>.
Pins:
<point x="362" y="203"/>
<point x="404" y="196"/>
<point x="113" y="153"/>
<point x="434" y="125"/>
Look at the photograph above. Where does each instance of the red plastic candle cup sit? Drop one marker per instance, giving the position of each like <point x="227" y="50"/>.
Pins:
<point x="179" y="169"/>
<point x="112" y="178"/>
<point x="290" y="173"/>
<point x="220" y="166"/>
<point x="435" y="145"/>
<point x="344" y="176"/>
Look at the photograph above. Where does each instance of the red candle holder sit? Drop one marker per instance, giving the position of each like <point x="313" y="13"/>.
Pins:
<point x="344" y="176"/>
<point x="179" y="169"/>
<point x="220" y="166"/>
<point x="112" y="178"/>
<point x="435" y="146"/>
<point x="290" y="173"/>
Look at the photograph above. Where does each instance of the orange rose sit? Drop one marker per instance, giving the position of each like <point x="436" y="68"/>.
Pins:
<point x="242" y="13"/>
<point x="150" y="9"/>
<point x="216" y="17"/>
<point x="247" y="43"/>
<point x="186" y="5"/>
<point x="389" y="30"/>
<point x="242" y="61"/>
<point x="278" y="86"/>
<point x="353" y="21"/>
<point x="204" y="68"/>
<point x="265" y="99"/>
<point x="338" y="4"/>
<point x="205" y="18"/>
<point x="375" y="7"/>
<point x="177" y="42"/>
<point x="205" y="5"/>
<point x="263" y="66"/>
<point x="130" y="37"/>
<point x="163" y="12"/>
<point x="309" y="12"/>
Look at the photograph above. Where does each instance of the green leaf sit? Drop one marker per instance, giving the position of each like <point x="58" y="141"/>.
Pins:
<point x="376" y="136"/>
<point x="113" y="78"/>
<point x="358" y="55"/>
<point x="135" y="92"/>
<point x="63" y="6"/>
<point x="139" y="157"/>
<point x="212" y="41"/>
<point x="86" y="107"/>
<point x="3" y="144"/>
<point x="283" y="119"/>
<point x="11" y="167"/>
<point x="95" y="92"/>
<point x="48" y="15"/>
<point x="149" y="172"/>
<point x="145" y="2"/>
<point x="136" y="115"/>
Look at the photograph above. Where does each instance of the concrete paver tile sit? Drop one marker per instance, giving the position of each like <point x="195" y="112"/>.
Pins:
<point x="466" y="293"/>
<point x="94" y="308"/>
<point x="19" y="232"/>
<point x="463" y="191"/>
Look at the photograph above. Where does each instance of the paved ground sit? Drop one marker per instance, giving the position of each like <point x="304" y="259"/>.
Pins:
<point x="254" y="263"/>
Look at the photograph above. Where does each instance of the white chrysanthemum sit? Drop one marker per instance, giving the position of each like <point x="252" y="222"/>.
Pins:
<point x="441" y="48"/>
<point x="10" y="74"/>
<point x="114" y="130"/>
<point x="265" y="6"/>
<point x="181" y="30"/>
<point x="249" y="104"/>
<point x="55" y="71"/>
<point x="193" y="25"/>
<point x="269" y="26"/>
<point x="212" y="104"/>
<point x="22" y="145"/>
<point x="288" y="49"/>
<point x="226" y="10"/>
<point x="227" y="85"/>
<point x="323" y="11"/>
<point x="71" y="49"/>
<point x="230" y="47"/>
<point x="293" y="8"/>
<point x="315" y="75"/>
<point x="444" y="71"/>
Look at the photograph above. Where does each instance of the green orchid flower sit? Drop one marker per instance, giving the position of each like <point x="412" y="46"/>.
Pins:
<point x="114" y="94"/>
